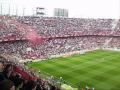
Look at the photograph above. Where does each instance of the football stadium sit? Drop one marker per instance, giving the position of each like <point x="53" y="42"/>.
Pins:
<point x="60" y="52"/>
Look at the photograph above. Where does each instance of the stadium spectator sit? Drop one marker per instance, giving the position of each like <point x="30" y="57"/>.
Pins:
<point x="7" y="71"/>
<point x="7" y="85"/>
<point x="30" y="85"/>
<point x="2" y="77"/>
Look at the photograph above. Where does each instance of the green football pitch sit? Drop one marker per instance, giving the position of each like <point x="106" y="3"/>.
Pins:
<point x="99" y="69"/>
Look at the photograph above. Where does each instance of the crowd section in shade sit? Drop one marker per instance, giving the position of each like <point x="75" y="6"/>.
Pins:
<point x="41" y="37"/>
<point x="16" y="77"/>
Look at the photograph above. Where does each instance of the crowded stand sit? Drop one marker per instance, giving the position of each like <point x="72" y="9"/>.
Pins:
<point x="7" y="28"/>
<point x="51" y="47"/>
<point x="40" y="37"/>
<point x="115" y="43"/>
<point x="15" y="77"/>
<point x="17" y="27"/>
<point x="61" y="27"/>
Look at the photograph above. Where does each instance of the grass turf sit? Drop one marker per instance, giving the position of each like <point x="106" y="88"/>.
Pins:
<point x="99" y="69"/>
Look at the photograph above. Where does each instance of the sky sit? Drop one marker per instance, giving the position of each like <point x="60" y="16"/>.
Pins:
<point x="76" y="8"/>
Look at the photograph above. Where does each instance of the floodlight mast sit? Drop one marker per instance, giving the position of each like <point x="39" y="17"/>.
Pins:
<point x="9" y="10"/>
<point x="1" y="9"/>
<point x="16" y="11"/>
<point x="23" y="11"/>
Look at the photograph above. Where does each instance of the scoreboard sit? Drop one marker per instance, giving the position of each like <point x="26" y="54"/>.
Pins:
<point x="58" y="12"/>
<point x="40" y="11"/>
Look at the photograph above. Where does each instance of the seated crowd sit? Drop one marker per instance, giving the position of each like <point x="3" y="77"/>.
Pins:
<point x="62" y="35"/>
<point x="51" y="47"/>
<point x="14" y="77"/>
<point x="18" y="27"/>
